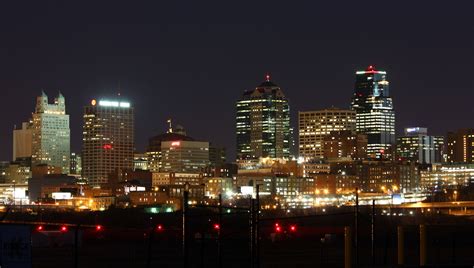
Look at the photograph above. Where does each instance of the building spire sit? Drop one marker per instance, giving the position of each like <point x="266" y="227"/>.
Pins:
<point x="267" y="77"/>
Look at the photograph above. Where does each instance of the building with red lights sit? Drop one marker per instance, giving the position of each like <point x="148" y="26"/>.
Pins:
<point x="108" y="139"/>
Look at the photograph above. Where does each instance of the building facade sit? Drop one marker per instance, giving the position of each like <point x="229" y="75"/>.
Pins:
<point x="418" y="147"/>
<point x="314" y="126"/>
<point x="108" y="139"/>
<point x="51" y="133"/>
<point x="375" y="115"/>
<point x="460" y="146"/>
<point x="22" y="140"/>
<point x="345" y="145"/>
<point x="263" y="123"/>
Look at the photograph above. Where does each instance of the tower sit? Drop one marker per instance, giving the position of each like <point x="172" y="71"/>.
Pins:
<point x="375" y="115"/>
<point x="263" y="123"/>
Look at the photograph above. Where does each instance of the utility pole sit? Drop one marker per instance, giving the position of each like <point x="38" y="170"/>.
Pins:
<point x="356" y="225"/>
<point x="219" y="237"/>
<point x="372" y="232"/>
<point x="257" y="231"/>
<point x="185" y="228"/>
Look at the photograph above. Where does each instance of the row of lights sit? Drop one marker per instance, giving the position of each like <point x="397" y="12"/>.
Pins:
<point x="64" y="228"/>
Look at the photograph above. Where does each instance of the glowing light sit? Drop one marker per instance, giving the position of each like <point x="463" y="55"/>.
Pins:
<point x="293" y="228"/>
<point x="159" y="227"/>
<point x="107" y="146"/>
<point x="93" y="102"/>
<point x="39" y="228"/>
<point x="217" y="226"/>
<point x="98" y="228"/>
<point x="107" y="103"/>
<point x="63" y="228"/>
<point x="267" y="77"/>
<point x="175" y="143"/>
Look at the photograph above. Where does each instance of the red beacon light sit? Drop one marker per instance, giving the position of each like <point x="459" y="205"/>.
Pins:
<point x="39" y="228"/>
<point x="159" y="227"/>
<point x="217" y="227"/>
<point x="277" y="227"/>
<point x="99" y="228"/>
<point x="63" y="228"/>
<point x="293" y="228"/>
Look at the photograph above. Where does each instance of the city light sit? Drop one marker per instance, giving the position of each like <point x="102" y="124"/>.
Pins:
<point x="98" y="228"/>
<point x="107" y="103"/>
<point x="217" y="226"/>
<point x="39" y="228"/>
<point x="159" y="227"/>
<point x="63" y="228"/>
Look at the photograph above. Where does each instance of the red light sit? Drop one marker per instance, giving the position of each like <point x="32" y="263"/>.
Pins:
<point x="175" y="143"/>
<point x="217" y="226"/>
<point x="293" y="228"/>
<point x="278" y="229"/>
<point x="267" y="77"/>
<point x="159" y="227"/>
<point x="39" y="228"/>
<point x="98" y="228"/>
<point x="63" y="228"/>
<point x="107" y="146"/>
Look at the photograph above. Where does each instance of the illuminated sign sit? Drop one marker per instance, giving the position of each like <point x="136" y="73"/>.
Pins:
<point x="61" y="195"/>
<point x="412" y="129"/>
<point x="175" y="143"/>
<point x="107" y="146"/>
<point x="121" y="104"/>
<point x="246" y="190"/>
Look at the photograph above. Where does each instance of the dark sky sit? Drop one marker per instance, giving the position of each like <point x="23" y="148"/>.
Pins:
<point x="191" y="60"/>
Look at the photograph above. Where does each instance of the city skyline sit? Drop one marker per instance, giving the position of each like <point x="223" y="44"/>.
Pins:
<point x="144" y="53"/>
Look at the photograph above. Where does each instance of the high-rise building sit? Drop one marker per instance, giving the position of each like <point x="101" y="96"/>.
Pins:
<point x="263" y="123"/>
<point x="418" y="147"/>
<point x="108" y="139"/>
<point x="314" y="126"/>
<point x="22" y="140"/>
<point x="76" y="164"/>
<point x="174" y="151"/>
<point x="51" y="133"/>
<point x="345" y="145"/>
<point x="375" y="116"/>
<point x="460" y="146"/>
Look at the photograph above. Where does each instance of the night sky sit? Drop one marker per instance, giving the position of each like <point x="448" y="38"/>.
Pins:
<point x="191" y="60"/>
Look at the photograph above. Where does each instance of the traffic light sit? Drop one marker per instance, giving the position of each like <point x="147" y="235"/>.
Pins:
<point x="63" y="228"/>
<point x="39" y="228"/>
<point x="99" y="228"/>
<point x="217" y="227"/>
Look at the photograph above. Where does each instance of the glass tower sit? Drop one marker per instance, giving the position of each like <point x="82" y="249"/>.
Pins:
<point x="375" y="116"/>
<point x="51" y="134"/>
<point x="108" y="142"/>
<point x="263" y="123"/>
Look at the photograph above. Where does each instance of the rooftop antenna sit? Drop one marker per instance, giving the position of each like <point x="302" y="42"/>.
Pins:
<point x="118" y="93"/>
<point x="170" y="129"/>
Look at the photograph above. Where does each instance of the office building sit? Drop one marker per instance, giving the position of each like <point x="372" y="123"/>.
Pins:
<point x="314" y="126"/>
<point x="22" y="140"/>
<point x="108" y="139"/>
<point x="345" y="145"/>
<point x="263" y="123"/>
<point x="174" y="151"/>
<point x="417" y="146"/>
<point x="375" y="115"/>
<point x="51" y="133"/>
<point x="460" y="146"/>
<point x="76" y="164"/>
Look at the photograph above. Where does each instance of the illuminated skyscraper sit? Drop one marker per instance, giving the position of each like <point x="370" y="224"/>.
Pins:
<point x="263" y="123"/>
<point x="418" y="147"/>
<point x="375" y="116"/>
<point x="460" y="146"/>
<point x="108" y="139"/>
<point x="314" y="126"/>
<point x="51" y="133"/>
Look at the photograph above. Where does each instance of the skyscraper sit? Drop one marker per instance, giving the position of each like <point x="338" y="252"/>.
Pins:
<point x="51" y="133"/>
<point x="314" y="126"/>
<point x="418" y="147"/>
<point x="108" y="139"/>
<point x="263" y="123"/>
<point x="375" y="116"/>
